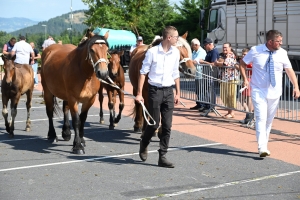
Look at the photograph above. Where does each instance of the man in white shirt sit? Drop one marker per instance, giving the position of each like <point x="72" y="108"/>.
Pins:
<point x="48" y="42"/>
<point x="22" y="50"/>
<point x="139" y="42"/>
<point x="268" y="62"/>
<point x="161" y="64"/>
<point x="198" y="53"/>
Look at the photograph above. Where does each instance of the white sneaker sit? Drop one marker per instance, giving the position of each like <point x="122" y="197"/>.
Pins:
<point x="264" y="153"/>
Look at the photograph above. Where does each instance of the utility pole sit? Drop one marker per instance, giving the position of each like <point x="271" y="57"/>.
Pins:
<point x="71" y="21"/>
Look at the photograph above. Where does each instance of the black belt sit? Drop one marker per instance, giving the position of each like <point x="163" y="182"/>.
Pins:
<point x="160" y="88"/>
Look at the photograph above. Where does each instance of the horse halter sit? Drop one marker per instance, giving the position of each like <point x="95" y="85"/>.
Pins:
<point x="100" y="59"/>
<point x="184" y="60"/>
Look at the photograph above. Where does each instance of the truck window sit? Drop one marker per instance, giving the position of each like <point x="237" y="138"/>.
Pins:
<point x="213" y="20"/>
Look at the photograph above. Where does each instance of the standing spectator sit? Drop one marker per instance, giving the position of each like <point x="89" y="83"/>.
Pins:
<point x="210" y="58"/>
<point x="23" y="51"/>
<point x="268" y="62"/>
<point x="161" y="64"/>
<point x="229" y="78"/>
<point x="198" y="53"/>
<point x="9" y="46"/>
<point x="48" y="42"/>
<point x="246" y="94"/>
<point x="35" y="64"/>
<point x="139" y="42"/>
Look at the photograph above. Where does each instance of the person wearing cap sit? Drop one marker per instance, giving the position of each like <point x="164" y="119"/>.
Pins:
<point x="23" y="52"/>
<point x="139" y="42"/>
<point x="9" y="46"/>
<point x="210" y="58"/>
<point x="198" y="53"/>
<point x="48" y="42"/>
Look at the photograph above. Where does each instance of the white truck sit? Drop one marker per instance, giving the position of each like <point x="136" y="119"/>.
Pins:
<point x="244" y="23"/>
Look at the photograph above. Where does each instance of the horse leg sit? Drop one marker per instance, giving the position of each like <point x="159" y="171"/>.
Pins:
<point x="76" y="123"/>
<point x="100" y="97"/>
<point x="5" y="112"/>
<point x="28" y="106"/>
<point x="111" y="107"/>
<point x="66" y="130"/>
<point x="121" y="106"/>
<point x="13" y="106"/>
<point x="49" y="101"/>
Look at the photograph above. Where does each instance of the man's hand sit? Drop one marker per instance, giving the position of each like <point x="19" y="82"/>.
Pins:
<point x="139" y="98"/>
<point x="246" y="83"/>
<point x="296" y="93"/>
<point x="176" y="99"/>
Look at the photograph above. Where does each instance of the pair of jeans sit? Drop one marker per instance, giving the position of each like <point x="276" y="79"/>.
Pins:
<point x="35" y="76"/>
<point x="161" y="106"/>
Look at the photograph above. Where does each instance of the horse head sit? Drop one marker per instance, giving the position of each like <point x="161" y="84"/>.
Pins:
<point x="97" y="47"/>
<point x="114" y="63"/>
<point x="185" y="64"/>
<point x="9" y="67"/>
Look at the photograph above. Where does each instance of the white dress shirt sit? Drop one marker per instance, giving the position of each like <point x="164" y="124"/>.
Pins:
<point x="23" y="50"/>
<point x="258" y="56"/>
<point x="161" y="66"/>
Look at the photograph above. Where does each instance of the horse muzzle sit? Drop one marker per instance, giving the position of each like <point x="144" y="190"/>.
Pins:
<point x="102" y="74"/>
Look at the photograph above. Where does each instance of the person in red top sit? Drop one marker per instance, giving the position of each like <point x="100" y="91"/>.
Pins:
<point x="246" y="94"/>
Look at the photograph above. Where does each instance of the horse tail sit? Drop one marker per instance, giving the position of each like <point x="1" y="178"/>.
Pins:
<point x="133" y="111"/>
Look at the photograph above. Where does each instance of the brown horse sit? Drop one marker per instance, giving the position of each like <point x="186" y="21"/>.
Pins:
<point x="135" y="65"/>
<point x="18" y="80"/>
<point x="116" y="74"/>
<point x="71" y="73"/>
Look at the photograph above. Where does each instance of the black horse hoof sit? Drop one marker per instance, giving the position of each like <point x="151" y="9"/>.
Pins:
<point x="137" y="129"/>
<point x="78" y="151"/>
<point x="111" y="127"/>
<point x="53" y="140"/>
<point x="11" y="135"/>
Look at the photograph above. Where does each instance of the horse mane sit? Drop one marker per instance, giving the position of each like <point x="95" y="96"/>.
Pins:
<point x="9" y="57"/>
<point x="182" y="42"/>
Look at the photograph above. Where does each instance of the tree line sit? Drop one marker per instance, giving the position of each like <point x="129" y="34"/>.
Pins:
<point x="143" y="17"/>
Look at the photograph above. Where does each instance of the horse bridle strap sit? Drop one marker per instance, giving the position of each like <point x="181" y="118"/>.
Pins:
<point x="184" y="60"/>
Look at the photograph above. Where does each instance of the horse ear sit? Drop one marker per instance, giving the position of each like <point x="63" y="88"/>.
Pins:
<point x="185" y="35"/>
<point x="121" y="53"/>
<point x="106" y="35"/>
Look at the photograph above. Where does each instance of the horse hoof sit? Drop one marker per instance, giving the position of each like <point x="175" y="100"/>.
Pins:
<point x="111" y="127"/>
<point x="78" y="151"/>
<point x="66" y="135"/>
<point x="27" y="129"/>
<point x="101" y="122"/>
<point x="11" y="135"/>
<point x="137" y="129"/>
<point x="53" y="140"/>
<point x="154" y="134"/>
<point x="115" y="124"/>
<point x="66" y="138"/>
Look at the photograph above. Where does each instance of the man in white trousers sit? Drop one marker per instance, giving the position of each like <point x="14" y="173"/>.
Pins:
<point x="268" y="61"/>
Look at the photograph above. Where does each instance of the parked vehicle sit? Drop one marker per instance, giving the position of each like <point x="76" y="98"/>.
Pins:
<point x="244" y="23"/>
<point x="119" y="40"/>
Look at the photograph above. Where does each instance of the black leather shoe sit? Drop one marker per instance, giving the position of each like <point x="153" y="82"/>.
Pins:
<point x="143" y="153"/>
<point x="163" y="162"/>
<point x="196" y="107"/>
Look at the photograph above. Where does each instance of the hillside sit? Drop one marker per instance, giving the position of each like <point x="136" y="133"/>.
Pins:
<point x="15" y="23"/>
<point x="56" y="25"/>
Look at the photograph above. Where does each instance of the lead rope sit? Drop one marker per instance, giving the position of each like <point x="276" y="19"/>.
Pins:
<point x="145" y="111"/>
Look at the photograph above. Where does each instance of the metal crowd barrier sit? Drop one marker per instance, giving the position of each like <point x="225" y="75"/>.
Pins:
<point x="220" y="86"/>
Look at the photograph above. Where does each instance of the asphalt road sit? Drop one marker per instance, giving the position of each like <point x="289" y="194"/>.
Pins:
<point x="32" y="168"/>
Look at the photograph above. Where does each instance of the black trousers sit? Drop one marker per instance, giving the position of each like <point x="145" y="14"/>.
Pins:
<point x="161" y="106"/>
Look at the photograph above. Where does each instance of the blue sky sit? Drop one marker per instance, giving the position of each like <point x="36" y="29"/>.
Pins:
<point x="41" y="10"/>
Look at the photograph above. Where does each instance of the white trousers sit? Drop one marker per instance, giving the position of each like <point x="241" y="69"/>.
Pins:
<point x="264" y="110"/>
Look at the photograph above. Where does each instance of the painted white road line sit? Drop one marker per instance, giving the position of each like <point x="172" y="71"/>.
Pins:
<point x="45" y="138"/>
<point x="101" y="158"/>
<point x="221" y="185"/>
<point x="45" y="119"/>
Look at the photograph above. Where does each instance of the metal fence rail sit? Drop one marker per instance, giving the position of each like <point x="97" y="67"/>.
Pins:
<point x="220" y="87"/>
